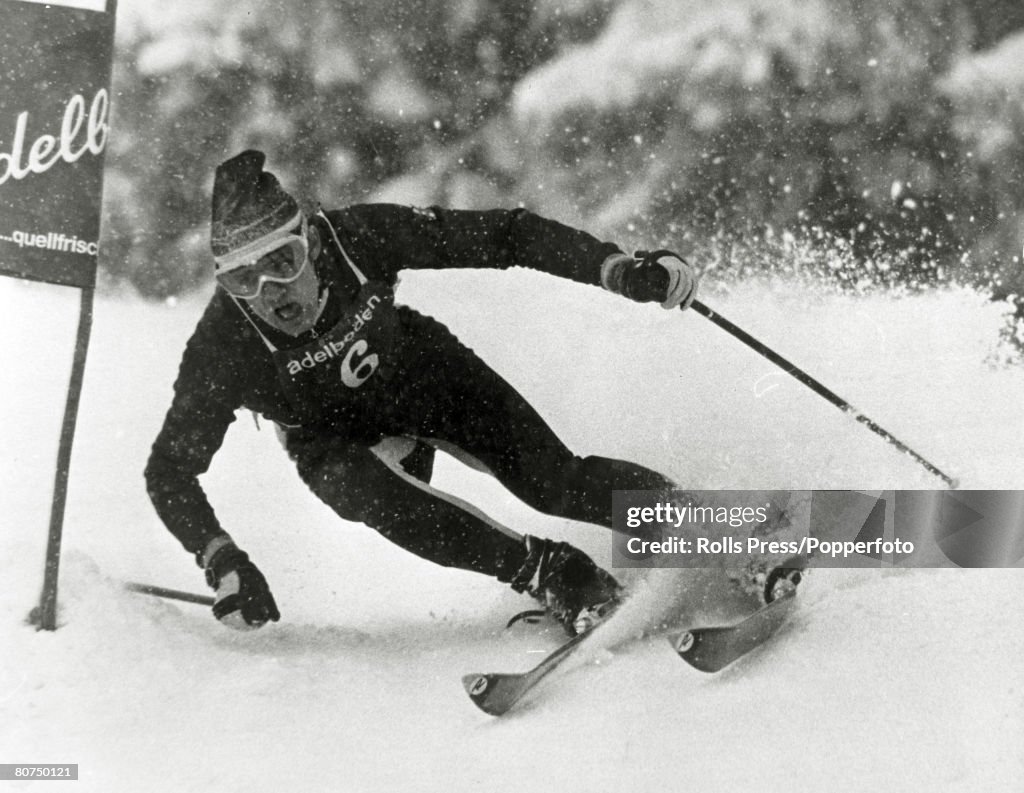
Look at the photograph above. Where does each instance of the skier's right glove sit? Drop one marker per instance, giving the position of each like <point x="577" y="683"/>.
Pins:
<point x="243" y="600"/>
<point x="651" y="277"/>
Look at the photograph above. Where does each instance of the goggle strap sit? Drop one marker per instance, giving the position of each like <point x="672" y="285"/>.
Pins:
<point x="352" y="265"/>
<point x="255" y="327"/>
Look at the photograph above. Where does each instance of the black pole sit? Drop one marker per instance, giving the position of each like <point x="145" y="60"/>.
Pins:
<point x="170" y="594"/>
<point x="45" y="615"/>
<point x="815" y="386"/>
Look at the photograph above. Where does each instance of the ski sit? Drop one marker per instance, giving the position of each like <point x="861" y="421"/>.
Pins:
<point x="714" y="648"/>
<point x="496" y="693"/>
<point x="708" y="649"/>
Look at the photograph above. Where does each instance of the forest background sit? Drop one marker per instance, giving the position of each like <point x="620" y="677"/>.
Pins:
<point x="869" y="143"/>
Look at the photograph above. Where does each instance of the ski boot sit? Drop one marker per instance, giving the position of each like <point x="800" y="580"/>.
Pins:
<point x="567" y="582"/>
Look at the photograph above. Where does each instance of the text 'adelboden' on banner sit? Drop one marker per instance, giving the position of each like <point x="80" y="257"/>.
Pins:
<point x="55" y="61"/>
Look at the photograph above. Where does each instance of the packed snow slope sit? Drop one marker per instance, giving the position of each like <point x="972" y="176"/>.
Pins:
<point x="908" y="680"/>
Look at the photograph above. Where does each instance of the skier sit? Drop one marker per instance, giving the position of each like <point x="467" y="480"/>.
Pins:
<point x="304" y="330"/>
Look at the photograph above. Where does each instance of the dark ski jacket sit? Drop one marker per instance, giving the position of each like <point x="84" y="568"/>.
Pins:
<point x="226" y="365"/>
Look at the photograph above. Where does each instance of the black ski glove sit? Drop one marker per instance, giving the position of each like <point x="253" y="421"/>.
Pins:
<point x="243" y="599"/>
<point x="651" y="277"/>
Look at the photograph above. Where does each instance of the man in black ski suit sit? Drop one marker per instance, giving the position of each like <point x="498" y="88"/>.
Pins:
<point x="303" y="329"/>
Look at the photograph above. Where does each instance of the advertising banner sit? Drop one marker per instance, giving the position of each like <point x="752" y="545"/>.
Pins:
<point x="55" y="61"/>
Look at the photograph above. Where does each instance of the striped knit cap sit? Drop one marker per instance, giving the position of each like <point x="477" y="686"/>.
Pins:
<point x="251" y="212"/>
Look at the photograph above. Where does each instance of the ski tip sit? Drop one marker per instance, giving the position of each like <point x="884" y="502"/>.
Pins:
<point x="475" y="684"/>
<point x="711" y="649"/>
<point x="682" y="642"/>
<point x="487" y="693"/>
<point x="688" y="646"/>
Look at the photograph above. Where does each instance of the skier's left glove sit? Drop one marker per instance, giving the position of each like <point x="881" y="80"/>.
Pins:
<point x="243" y="599"/>
<point x="651" y="277"/>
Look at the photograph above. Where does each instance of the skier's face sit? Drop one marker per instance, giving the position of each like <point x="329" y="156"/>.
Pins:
<point x="292" y="307"/>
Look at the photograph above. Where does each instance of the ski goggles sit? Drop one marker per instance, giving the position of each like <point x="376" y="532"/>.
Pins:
<point x="282" y="262"/>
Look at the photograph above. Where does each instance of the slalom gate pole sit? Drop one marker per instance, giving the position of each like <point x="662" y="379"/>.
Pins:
<point x="170" y="594"/>
<point x="45" y="617"/>
<point x="55" y="189"/>
<point x="816" y="387"/>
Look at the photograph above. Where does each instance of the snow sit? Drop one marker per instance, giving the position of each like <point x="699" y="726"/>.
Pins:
<point x="997" y="69"/>
<point x="904" y="680"/>
<point x="650" y="47"/>
<point x="987" y="88"/>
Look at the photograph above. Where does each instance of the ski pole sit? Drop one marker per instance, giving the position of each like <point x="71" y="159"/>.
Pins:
<point x="170" y="594"/>
<point x="816" y="387"/>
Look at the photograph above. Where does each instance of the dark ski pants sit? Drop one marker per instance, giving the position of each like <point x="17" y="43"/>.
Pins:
<point x="456" y="403"/>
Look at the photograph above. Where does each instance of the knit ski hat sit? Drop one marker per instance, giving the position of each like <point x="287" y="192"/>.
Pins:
<point x="252" y="214"/>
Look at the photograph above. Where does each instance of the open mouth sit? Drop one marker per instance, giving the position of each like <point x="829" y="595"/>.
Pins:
<point x="289" y="312"/>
